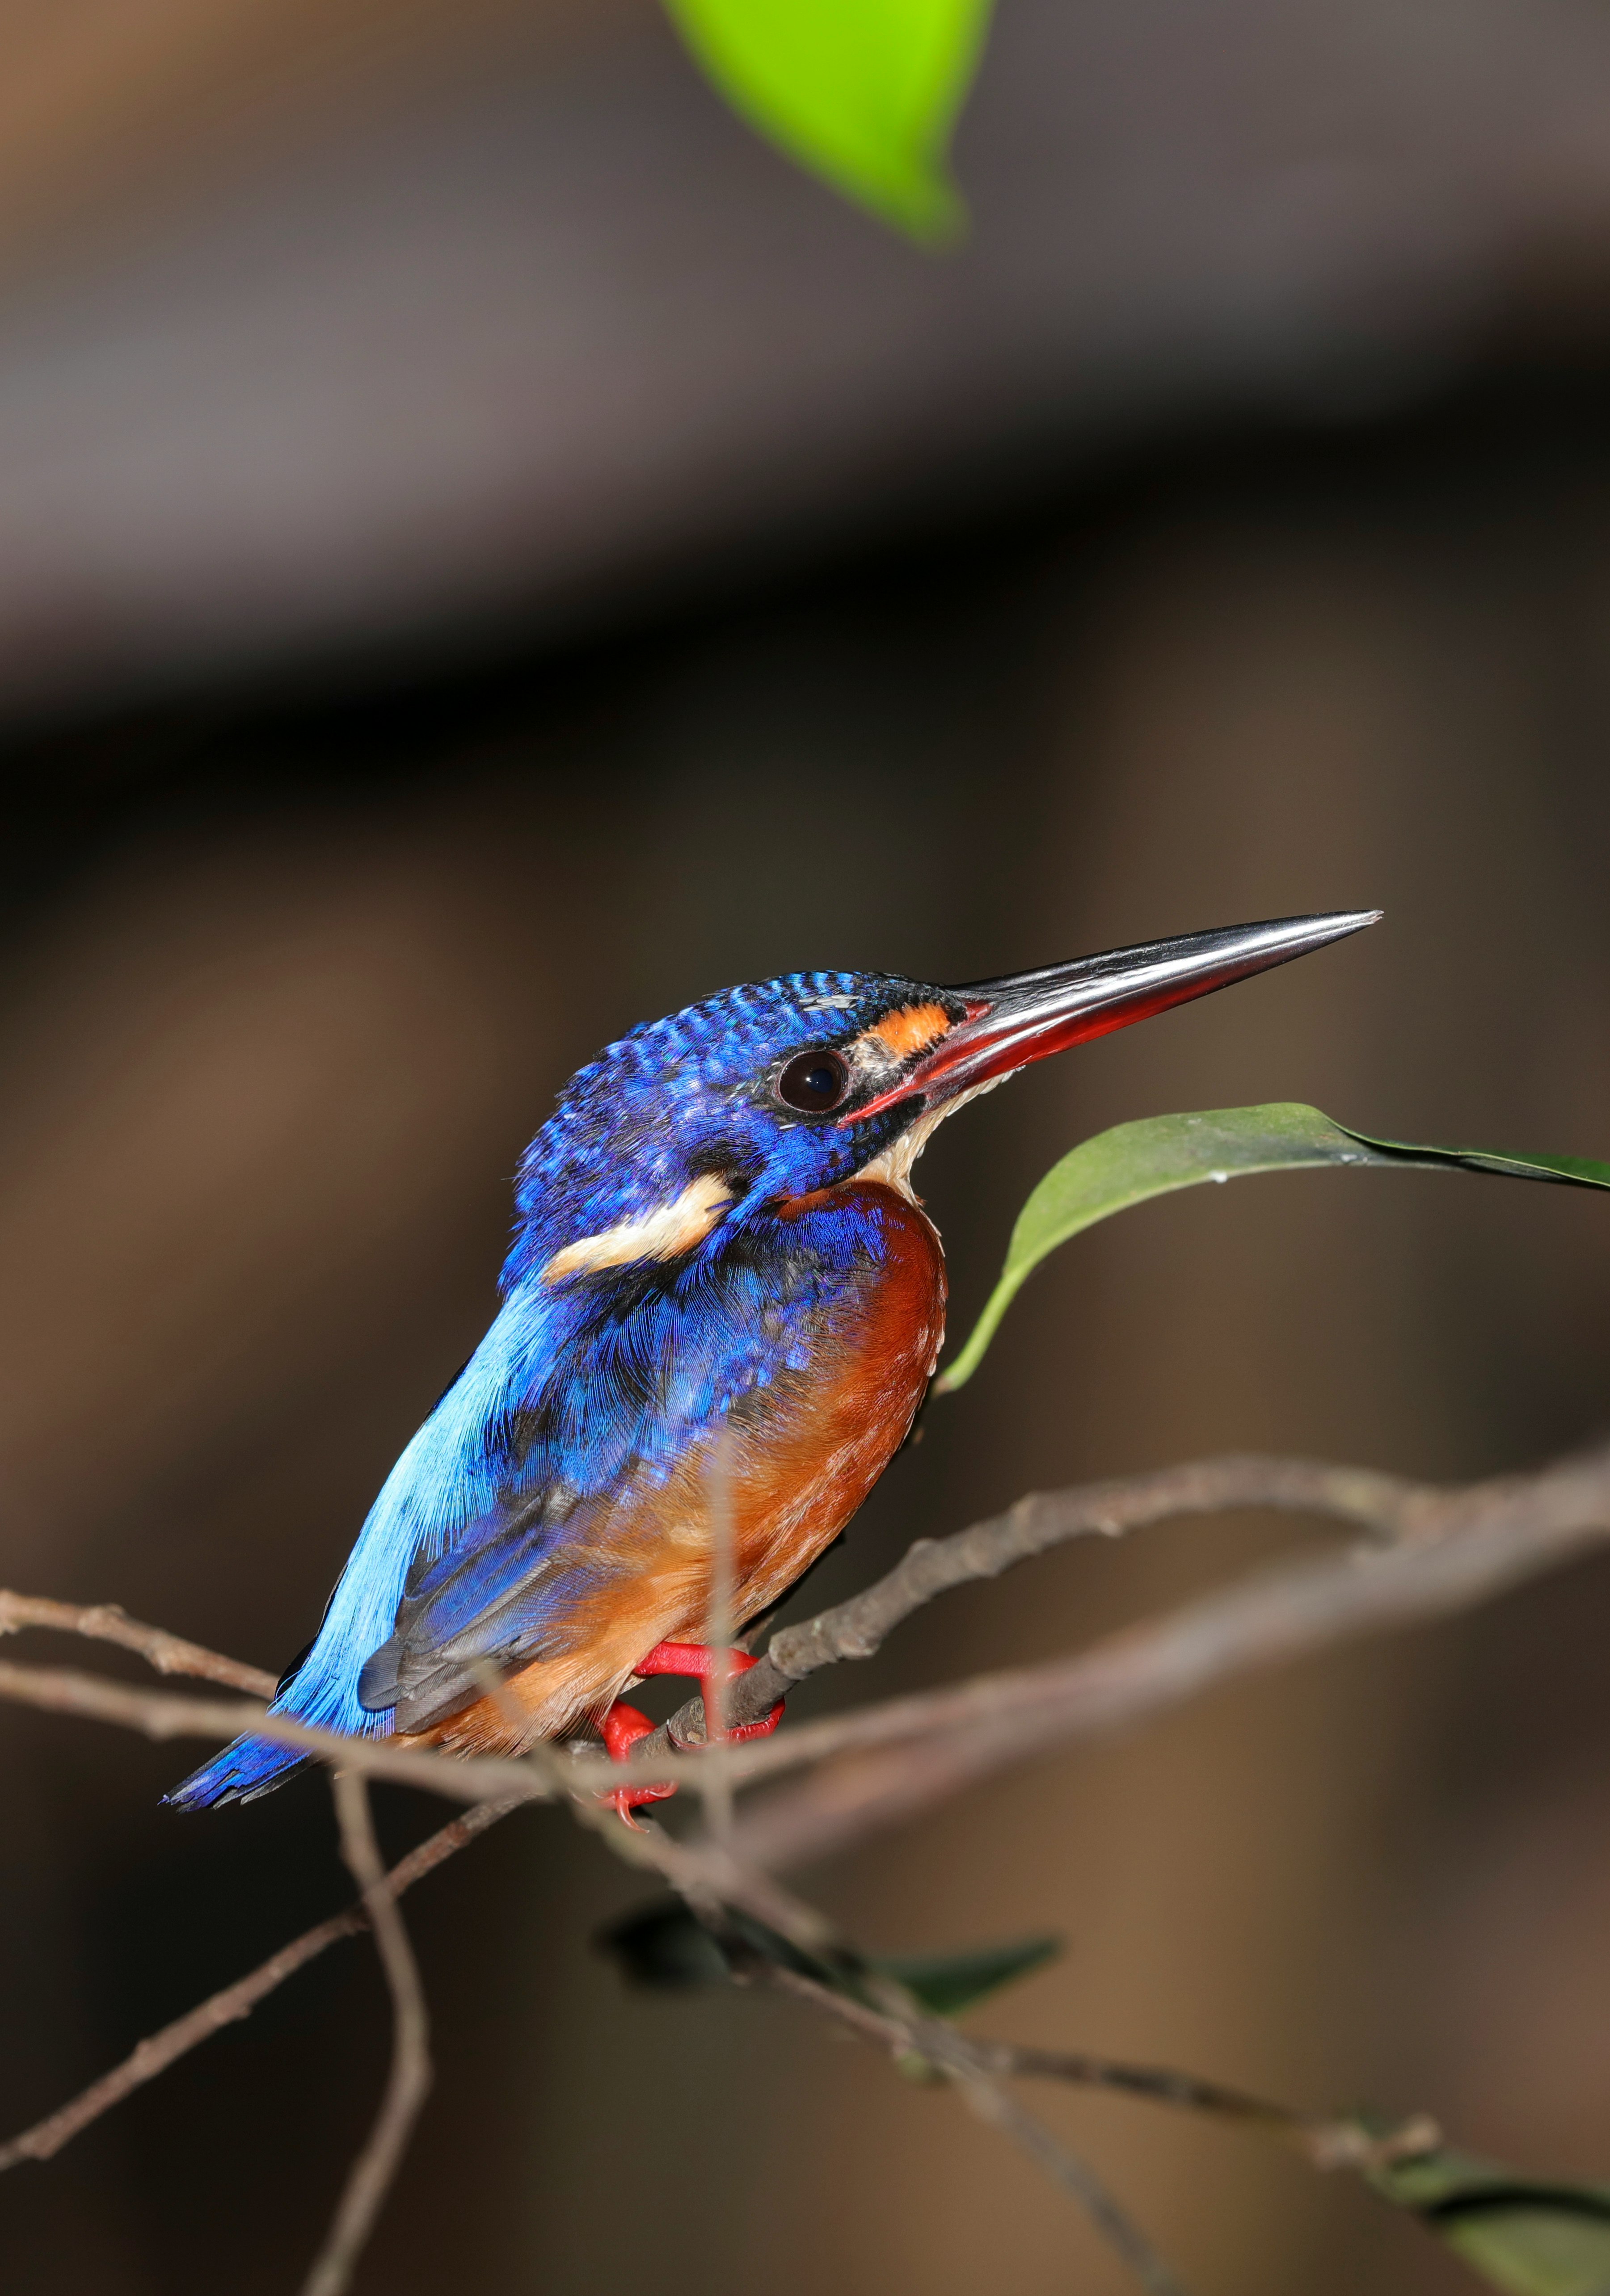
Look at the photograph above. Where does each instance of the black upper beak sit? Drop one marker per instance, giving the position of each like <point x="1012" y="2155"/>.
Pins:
<point x="1029" y="1016"/>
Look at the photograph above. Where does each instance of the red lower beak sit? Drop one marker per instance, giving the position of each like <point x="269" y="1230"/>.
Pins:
<point x="1029" y="1016"/>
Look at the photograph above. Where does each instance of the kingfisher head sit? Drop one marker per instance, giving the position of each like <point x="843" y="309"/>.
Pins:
<point x="766" y="1094"/>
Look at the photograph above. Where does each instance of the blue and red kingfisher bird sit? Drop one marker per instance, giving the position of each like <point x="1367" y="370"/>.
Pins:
<point x="721" y="1290"/>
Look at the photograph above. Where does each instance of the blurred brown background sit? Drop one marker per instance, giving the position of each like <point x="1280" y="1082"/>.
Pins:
<point x="488" y="553"/>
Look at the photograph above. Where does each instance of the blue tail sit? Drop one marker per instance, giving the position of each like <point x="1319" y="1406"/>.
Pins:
<point x="250" y="1767"/>
<point x="320" y="1692"/>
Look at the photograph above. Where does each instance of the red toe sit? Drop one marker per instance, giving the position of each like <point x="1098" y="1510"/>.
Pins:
<point x="621" y="1728"/>
<point x="763" y="1728"/>
<point x="698" y="1661"/>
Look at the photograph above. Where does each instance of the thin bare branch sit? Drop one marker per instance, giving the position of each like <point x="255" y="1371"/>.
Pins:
<point x="109" y="1622"/>
<point x="710" y="1877"/>
<point x="883" y="1762"/>
<point x="161" y="1714"/>
<point x="158" y="2050"/>
<point x="1455" y="1547"/>
<point x="893" y="1760"/>
<point x="408" y="2083"/>
<point x="1385" y="1505"/>
<point x="1324" y="2141"/>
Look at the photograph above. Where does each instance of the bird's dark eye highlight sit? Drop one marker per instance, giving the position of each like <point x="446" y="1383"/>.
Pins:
<point x="815" y="1083"/>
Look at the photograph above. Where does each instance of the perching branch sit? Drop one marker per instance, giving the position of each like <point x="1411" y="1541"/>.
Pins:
<point x="1447" y="1548"/>
<point x="884" y="1763"/>
<point x="1455" y="1546"/>
<point x="408" y="2083"/>
<point x="1387" y="1505"/>
<point x="855" y="1629"/>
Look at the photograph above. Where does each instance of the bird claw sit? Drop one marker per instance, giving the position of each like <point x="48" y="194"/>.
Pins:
<point x="700" y="1661"/>
<point x="623" y="1725"/>
<point x="697" y="1661"/>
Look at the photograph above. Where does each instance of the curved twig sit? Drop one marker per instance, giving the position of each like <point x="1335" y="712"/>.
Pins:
<point x="408" y="2083"/>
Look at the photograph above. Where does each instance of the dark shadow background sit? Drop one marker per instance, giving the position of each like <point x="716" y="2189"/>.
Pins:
<point x="300" y="936"/>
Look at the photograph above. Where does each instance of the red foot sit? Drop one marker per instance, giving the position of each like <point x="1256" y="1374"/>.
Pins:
<point x="699" y="1660"/>
<point x="623" y="1725"/>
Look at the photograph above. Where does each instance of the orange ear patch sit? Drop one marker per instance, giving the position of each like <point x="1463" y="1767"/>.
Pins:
<point x="908" y="1030"/>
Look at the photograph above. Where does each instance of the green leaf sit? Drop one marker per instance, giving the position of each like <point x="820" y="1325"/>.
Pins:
<point x="945" y="1984"/>
<point x="863" y="91"/>
<point x="1134" y="1163"/>
<point x="1521" y="2235"/>
<point x="665" y="1946"/>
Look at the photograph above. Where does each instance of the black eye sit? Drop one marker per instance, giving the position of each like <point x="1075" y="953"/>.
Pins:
<point x="814" y="1083"/>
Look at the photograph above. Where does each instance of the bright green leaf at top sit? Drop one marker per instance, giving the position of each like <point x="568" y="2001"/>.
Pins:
<point x="1521" y="2235"/>
<point x="1134" y="1163"/>
<point x="864" y="92"/>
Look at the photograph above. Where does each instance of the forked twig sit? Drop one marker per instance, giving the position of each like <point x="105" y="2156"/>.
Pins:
<point x="973" y="2069"/>
<point x="231" y="2003"/>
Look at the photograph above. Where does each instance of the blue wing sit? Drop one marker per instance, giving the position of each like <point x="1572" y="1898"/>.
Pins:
<point x="477" y="1545"/>
<point x="657" y="1361"/>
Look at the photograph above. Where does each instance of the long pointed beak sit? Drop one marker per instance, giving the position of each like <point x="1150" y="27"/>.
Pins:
<point x="1029" y="1016"/>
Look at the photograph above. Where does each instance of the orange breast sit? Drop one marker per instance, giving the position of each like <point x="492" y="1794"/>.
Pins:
<point x="800" y="1457"/>
<point x="810" y="1472"/>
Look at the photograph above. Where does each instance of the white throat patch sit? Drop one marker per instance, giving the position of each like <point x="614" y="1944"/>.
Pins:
<point x="893" y="1167"/>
